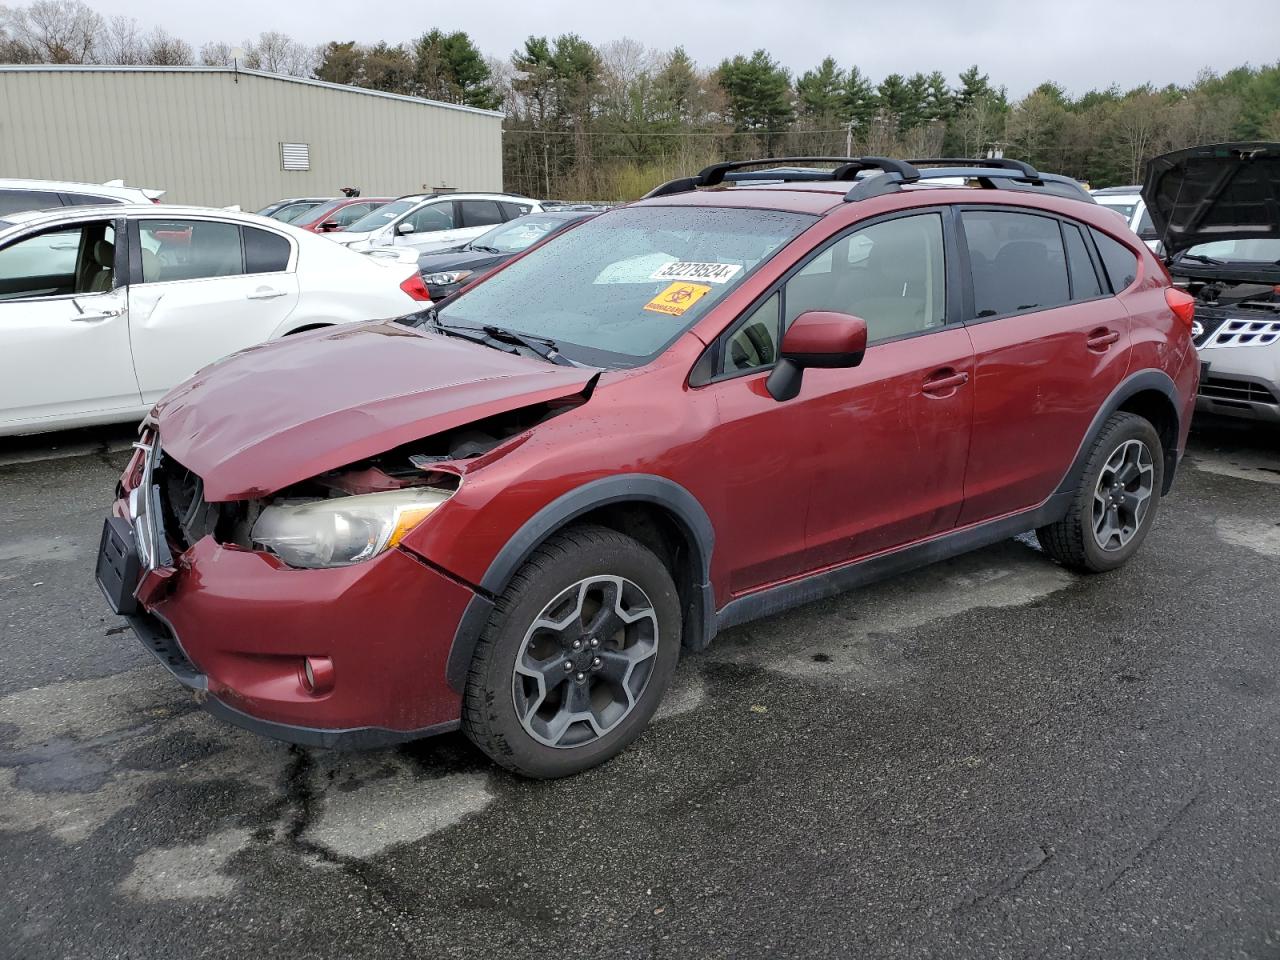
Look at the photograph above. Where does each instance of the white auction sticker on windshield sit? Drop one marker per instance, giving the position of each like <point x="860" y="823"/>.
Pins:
<point x="704" y="272"/>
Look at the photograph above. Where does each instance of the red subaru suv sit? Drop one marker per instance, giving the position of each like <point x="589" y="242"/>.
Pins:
<point x="751" y="389"/>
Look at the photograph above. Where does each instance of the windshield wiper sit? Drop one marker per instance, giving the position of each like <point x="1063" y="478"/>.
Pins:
<point x="1198" y="258"/>
<point x="544" y="347"/>
<point x="491" y="336"/>
<point x="476" y="246"/>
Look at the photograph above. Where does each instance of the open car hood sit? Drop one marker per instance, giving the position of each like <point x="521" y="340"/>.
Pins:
<point x="282" y="412"/>
<point x="1218" y="191"/>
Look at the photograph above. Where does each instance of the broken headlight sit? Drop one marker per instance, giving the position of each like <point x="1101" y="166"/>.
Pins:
<point x="343" y="530"/>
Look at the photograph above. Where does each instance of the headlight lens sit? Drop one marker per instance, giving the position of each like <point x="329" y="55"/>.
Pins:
<point x="344" y="530"/>
<point x="447" y="277"/>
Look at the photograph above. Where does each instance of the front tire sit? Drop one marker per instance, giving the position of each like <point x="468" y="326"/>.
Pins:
<point x="576" y="656"/>
<point x="1117" y="501"/>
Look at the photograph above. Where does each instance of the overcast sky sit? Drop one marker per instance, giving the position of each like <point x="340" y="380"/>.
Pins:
<point x="1081" y="44"/>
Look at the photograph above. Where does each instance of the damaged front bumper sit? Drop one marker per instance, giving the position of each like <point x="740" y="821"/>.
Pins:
<point x="238" y="628"/>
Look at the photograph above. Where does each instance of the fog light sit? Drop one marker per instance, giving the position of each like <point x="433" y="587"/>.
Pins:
<point x="317" y="674"/>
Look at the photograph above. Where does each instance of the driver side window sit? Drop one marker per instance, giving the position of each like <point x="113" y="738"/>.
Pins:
<point x="437" y="216"/>
<point x="67" y="262"/>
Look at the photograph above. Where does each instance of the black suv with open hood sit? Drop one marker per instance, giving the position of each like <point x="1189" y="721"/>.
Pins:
<point x="1216" y="209"/>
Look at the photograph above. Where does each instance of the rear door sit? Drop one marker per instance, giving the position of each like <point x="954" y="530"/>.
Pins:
<point x="1050" y="344"/>
<point x="202" y="289"/>
<point x="64" y="328"/>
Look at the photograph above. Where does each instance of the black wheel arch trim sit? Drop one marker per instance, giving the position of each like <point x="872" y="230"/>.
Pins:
<point x="1129" y="387"/>
<point x="699" y="535"/>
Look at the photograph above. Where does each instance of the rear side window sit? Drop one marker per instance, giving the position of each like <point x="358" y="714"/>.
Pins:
<point x="480" y="213"/>
<point x="264" y="252"/>
<point x="1121" y="263"/>
<point x="513" y="210"/>
<point x="12" y="201"/>
<point x="1084" y="279"/>
<point x="189" y="250"/>
<point x="1017" y="260"/>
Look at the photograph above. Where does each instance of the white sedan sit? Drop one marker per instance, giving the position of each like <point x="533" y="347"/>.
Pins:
<point x="103" y="309"/>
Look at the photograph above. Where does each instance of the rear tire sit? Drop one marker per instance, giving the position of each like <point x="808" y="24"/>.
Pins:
<point x="576" y="656"/>
<point x="1117" y="501"/>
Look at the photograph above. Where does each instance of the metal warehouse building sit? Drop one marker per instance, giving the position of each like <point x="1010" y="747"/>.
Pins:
<point x="221" y="136"/>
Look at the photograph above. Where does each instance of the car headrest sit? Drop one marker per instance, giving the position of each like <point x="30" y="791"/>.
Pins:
<point x="104" y="253"/>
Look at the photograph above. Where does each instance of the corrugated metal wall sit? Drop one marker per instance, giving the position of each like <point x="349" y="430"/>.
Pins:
<point x="213" y="136"/>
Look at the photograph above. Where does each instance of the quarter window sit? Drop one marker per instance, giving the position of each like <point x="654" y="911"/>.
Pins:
<point x="264" y="252"/>
<point x="891" y="274"/>
<point x="1084" y="279"/>
<point x="754" y="343"/>
<point x="1017" y="260"/>
<point x="1121" y="262"/>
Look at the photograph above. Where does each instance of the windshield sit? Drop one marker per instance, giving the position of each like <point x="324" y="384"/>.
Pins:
<point x="1238" y="251"/>
<point x="618" y="289"/>
<point x="382" y="216"/>
<point x="290" y="212"/>
<point x="519" y="234"/>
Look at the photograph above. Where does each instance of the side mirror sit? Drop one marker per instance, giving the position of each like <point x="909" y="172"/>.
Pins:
<point x="817" y="338"/>
<point x="404" y="226"/>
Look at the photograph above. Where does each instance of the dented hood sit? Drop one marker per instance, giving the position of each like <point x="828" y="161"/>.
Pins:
<point x="1219" y="191"/>
<point x="285" y="411"/>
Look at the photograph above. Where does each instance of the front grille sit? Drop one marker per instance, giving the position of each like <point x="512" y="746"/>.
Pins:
<point x="187" y="517"/>
<point x="1244" y="333"/>
<point x="1235" y="393"/>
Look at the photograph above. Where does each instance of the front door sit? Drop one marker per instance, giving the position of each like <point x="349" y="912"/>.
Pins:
<point x="64" y="329"/>
<point x="863" y="459"/>
<point x="204" y="292"/>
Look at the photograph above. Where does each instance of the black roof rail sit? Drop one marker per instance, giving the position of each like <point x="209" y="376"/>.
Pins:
<point x="847" y="168"/>
<point x="999" y="163"/>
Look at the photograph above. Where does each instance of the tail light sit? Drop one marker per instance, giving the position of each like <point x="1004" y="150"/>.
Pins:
<point x="1182" y="304"/>
<point x="415" y="288"/>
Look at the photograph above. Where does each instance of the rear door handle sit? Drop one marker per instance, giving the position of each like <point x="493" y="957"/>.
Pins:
<point x="942" y="381"/>
<point x="1101" y="339"/>
<point x="265" y="293"/>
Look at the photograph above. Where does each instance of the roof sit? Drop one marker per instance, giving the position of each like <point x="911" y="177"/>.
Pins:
<point x="1116" y="191"/>
<point x="76" y="186"/>
<point x="70" y="68"/>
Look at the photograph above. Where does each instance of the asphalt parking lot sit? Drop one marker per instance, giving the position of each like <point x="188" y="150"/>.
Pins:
<point x="989" y="758"/>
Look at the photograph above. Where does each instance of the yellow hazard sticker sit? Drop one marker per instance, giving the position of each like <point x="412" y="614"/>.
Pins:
<point x="677" y="298"/>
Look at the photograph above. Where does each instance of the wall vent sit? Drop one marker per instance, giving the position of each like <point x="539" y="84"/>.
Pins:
<point x="295" y="156"/>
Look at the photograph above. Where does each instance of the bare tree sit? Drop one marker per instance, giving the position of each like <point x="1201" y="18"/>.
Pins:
<point x="277" y="52"/>
<point x="1140" y="124"/>
<point x="120" y="42"/>
<point x="217" y="54"/>
<point x="165" y="50"/>
<point x="56" y="31"/>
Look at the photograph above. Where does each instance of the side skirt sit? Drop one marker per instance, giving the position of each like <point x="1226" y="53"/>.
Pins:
<point x="828" y="583"/>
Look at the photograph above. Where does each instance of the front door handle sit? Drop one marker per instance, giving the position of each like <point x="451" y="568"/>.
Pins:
<point x="1101" y="338"/>
<point x="265" y="293"/>
<point x="95" y="317"/>
<point x="945" y="382"/>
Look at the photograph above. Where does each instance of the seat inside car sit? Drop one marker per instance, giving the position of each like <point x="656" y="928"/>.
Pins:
<point x="101" y="266"/>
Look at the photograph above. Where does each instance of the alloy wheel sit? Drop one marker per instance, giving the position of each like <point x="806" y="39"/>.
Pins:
<point x="1123" y="495"/>
<point x="585" y="661"/>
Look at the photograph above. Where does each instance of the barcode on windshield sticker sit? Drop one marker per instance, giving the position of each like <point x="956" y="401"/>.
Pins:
<point x="704" y="272"/>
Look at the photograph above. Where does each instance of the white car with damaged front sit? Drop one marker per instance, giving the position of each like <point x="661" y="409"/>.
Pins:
<point x="104" y="309"/>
